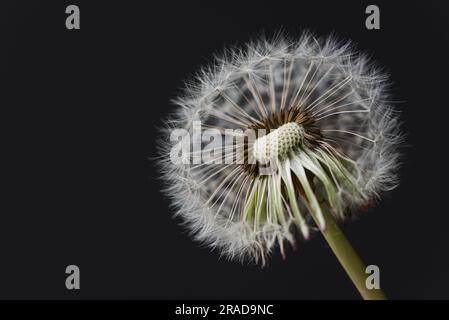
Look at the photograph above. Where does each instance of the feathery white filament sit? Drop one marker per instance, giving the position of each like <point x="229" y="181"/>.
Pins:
<point x="278" y="143"/>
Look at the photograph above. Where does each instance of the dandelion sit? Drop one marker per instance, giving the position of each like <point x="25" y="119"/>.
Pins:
<point x="302" y="136"/>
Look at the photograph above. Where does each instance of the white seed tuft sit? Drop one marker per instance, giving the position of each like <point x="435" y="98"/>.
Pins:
<point x="335" y="144"/>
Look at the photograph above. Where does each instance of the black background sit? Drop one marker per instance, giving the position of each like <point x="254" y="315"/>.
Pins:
<point x="79" y="111"/>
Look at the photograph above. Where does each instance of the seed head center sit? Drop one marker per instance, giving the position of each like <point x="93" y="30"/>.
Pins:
<point x="278" y="142"/>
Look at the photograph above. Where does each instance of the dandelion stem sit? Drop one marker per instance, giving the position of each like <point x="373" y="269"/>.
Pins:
<point x="348" y="258"/>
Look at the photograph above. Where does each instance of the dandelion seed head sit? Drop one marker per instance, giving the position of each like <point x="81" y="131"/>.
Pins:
<point x="330" y="141"/>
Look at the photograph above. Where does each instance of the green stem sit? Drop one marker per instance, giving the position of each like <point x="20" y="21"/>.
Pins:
<point x="348" y="258"/>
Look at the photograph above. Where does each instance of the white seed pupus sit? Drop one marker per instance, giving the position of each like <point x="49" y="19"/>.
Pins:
<point x="278" y="142"/>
